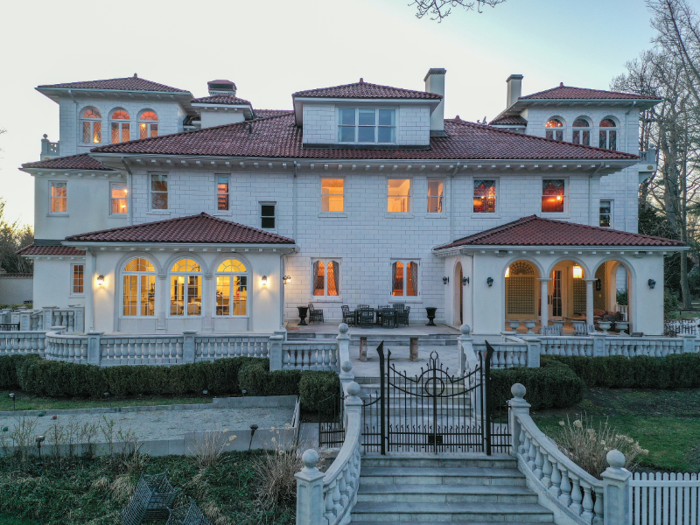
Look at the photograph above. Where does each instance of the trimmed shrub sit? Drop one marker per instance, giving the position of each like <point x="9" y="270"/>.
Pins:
<point x="315" y="386"/>
<point x="251" y="379"/>
<point x="257" y="381"/>
<point x="8" y="369"/>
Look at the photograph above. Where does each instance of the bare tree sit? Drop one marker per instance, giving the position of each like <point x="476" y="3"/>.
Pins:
<point x="440" y="9"/>
<point x="14" y="236"/>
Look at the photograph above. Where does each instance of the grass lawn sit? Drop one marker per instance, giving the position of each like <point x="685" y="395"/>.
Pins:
<point x="666" y="422"/>
<point x="29" y="402"/>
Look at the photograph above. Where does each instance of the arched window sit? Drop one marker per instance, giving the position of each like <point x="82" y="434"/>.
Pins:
<point x="186" y="288"/>
<point x="139" y="288"/>
<point x="91" y="121"/>
<point x="607" y="136"/>
<point x="231" y="288"/>
<point x="119" y="122"/>
<point x="581" y="133"/>
<point x="148" y="124"/>
<point x="554" y="129"/>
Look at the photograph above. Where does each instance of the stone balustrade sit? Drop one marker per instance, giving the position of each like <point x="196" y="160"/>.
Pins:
<point x="20" y="343"/>
<point x="71" y="318"/>
<point x="149" y="350"/>
<point x="65" y="347"/>
<point x="209" y="348"/>
<point x="505" y="355"/>
<point x="567" y="346"/>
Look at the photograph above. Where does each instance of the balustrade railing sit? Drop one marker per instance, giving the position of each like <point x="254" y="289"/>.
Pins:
<point x="17" y="343"/>
<point x="71" y="318"/>
<point x="567" y="346"/>
<point x="505" y="355"/>
<point x="64" y="347"/>
<point x="209" y="348"/>
<point x="310" y="355"/>
<point x="149" y="350"/>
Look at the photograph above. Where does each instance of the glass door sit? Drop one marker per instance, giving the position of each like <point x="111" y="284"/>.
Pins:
<point x="555" y="299"/>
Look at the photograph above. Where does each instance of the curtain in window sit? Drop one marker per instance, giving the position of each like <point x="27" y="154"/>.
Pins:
<point x="319" y="277"/>
<point x="397" y="286"/>
<point x="333" y="278"/>
<point x="412" y="279"/>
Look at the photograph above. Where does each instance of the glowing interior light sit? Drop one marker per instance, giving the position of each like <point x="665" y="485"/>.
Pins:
<point x="578" y="272"/>
<point x="508" y="272"/>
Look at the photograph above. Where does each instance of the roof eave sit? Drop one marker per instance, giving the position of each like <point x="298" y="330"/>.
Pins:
<point x="465" y="249"/>
<point x="202" y="245"/>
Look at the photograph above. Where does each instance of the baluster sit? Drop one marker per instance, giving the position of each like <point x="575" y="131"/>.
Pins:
<point x="328" y="496"/>
<point x="531" y="455"/>
<point x="546" y="470"/>
<point x="119" y="351"/>
<point x="538" y="463"/>
<point x="587" y="503"/>
<point x="576" y="498"/>
<point x="524" y="442"/>
<point x="343" y="489"/>
<point x="555" y="489"/>
<point x="334" y="357"/>
<point x="285" y="358"/>
<point x="598" y="508"/>
<point x="337" y="508"/>
<point x="509" y="359"/>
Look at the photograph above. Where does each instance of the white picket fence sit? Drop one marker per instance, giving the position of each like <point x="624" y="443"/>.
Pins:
<point x="663" y="498"/>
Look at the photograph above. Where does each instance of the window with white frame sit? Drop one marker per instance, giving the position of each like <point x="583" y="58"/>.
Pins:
<point x="332" y="195"/>
<point x="436" y="191"/>
<point x="148" y="124"/>
<point x="607" y="134"/>
<point x="222" y="192"/>
<point x="553" y="195"/>
<point x="159" y="191"/>
<point x="326" y="278"/>
<point x="554" y="129"/>
<point x="120" y="126"/>
<point x="77" y="279"/>
<point x="268" y="221"/>
<point x="399" y="198"/>
<point x="138" y="288"/>
<point x="118" y="194"/>
<point x="186" y="289"/>
<point x="367" y="126"/>
<point x="404" y="278"/>
<point x="605" y="214"/>
<point x="91" y="123"/>
<point x="581" y="132"/>
<point x="58" y="195"/>
<point x="231" y="289"/>
<point x="484" y="196"/>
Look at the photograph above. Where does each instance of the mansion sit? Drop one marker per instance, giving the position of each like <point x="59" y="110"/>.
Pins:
<point x="160" y="212"/>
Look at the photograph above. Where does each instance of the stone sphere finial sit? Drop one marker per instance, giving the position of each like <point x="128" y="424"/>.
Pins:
<point x="46" y="136"/>
<point x="465" y="329"/>
<point x="354" y="389"/>
<point x="310" y="458"/>
<point x="616" y="459"/>
<point x="518" y="390"/>
<point x="346" y="366"/>
<point x="343" y="328"/>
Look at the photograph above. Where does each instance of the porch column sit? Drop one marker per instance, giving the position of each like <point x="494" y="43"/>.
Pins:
<point x="162" y="302"/>
<point x="544" y="303"/>
<point x="589" y="301"/>
<point x="89" y="291"/>
<point x="207" y="294"/>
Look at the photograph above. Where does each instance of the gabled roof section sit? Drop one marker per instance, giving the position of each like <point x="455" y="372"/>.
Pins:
<point x="117" y="84"/>
<point x="222" y="100"/>
<point x="364" y="89"/>
<point x="202" y="228"/>
<point x="563" y="92"/>
<point x="59" y="251"/>
<point x="74" y="162"/>
<point x="279" y="137"/>
<point x="509" y="120"/>
<point x="536" y="231"/>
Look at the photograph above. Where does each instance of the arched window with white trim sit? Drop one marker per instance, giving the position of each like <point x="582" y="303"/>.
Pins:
<point x="148" y="124"/>
<point x="91" y="123"/>
<point x="186" y="289"/>
<point x="581" y="132"/>
<point x="554" y="129"/>
<point x="138" y="288"/>
<point x="607" y="134"/>
<point x="231" y="288"/>
<point x="119" y="126"/>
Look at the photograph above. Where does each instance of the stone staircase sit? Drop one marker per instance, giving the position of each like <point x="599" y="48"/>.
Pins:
<point x="465" y="489"/>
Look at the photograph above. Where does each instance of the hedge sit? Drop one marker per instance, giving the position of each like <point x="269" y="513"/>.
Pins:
<point x="314" y="387"/>
<point x="256" y="381"/>
<point x="552" y="385"/>
<point x="658" y="373"/>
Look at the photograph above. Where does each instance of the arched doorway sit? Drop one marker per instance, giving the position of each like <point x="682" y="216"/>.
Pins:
<point x="459" y="295"/>
<point x="522" y="295"/>
<point x="612" y="289"/>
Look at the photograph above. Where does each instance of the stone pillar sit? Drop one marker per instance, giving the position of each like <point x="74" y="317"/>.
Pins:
<point x="48" y="316"/>
<point x="413" y="349"/>
<point x="89" y="287"/>
<point x="544" y="301"/>
<point x="589" y="301"/>
<point x="94" y="354"/>
<point x="25" y="321"/>
<point x="598" y="344"/>
<point x="467" y="356"/>
<point x="688" y="343"/>
<point x="79" y="318"/>
<point x="188" y="346"/>
<point x="310" y="504"/>
<point x="363" y="348"/>
<point x="518" y="406"/>
<point x="276" y="352"/>
<point x="162" y="302"/>
<point x="617" y="499"/>
<point x="343" y="344"/>
<point x="534" y="350"/>
<point x="207" y="298"/>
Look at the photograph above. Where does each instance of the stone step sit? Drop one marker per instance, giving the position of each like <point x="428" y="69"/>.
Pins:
<point x="445" y="476"/>
<point x="442" y="461"/>
<point x="446" y="493"/>
<point x="449" y="512"/>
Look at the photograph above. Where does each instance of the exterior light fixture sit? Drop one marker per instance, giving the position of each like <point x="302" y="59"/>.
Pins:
<point x="507" y="272"/>
<point x="264" y="280"/>
<point x="578" y="272"/>
<point x="445" y="280"/>
<point x="287" y="279"/>
<point x="100" y="280"/>
<point x="14" y="401"/>
<point x="465" y="281"/>
<point x="651" y="283"/>
<point x="489" y="281"/>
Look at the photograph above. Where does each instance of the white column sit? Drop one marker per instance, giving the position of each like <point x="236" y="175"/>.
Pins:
<point x="162" y="301"/>
<point x="90" y="291"/>
<point x="206" y="299"/>
<point x="544" y="303"/>
<point x="589" y="301"/>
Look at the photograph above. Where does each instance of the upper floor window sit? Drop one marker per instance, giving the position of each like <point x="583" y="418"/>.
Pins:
<point x="119" y="122"/>
<point x="59" y="197"/>
<point x="435" y="194"/>
<point x="607" y="136"/>
<point x="148" y="125"/>
<point x="159" y="192"/>
<point x="553" y="195"/>
<point x="138" y="288"/>
<point x="326" y="278"/>
<point x="91" y="122"/>
<point x="484" y="196"/>
<point x="404" y="279"/>
<point x="231" y="288"/>
<point x="222" y="192"/>
<point x="77" y="279"/>
<point x="581" y="133"/>
<point x="554" y="129"/>
<point x="186" y="288"/>
<point x="399" y="200"/>
<point x="605" y="214"/>
<point x="118" y="197"/>
<point x="370" y="126"/>
<point x="267" y="215"/>
<point x="332" y="195"/>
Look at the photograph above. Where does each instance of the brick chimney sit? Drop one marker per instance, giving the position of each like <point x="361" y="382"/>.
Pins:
<point x="515" y="89"/>
<point x="221" y="87"/>
<point x="435" y="83"/>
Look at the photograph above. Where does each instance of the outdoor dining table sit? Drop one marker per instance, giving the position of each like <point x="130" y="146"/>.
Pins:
<point x="377" y="313"/>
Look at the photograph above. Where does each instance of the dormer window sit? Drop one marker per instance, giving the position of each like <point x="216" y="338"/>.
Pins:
<point x="554" y="129"/>
<point x="366" y="126"/>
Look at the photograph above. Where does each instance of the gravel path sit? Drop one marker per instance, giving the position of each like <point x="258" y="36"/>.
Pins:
<point x="168" y="424"/>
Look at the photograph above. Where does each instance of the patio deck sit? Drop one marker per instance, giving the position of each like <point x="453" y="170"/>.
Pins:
<point x="330" y="328"/>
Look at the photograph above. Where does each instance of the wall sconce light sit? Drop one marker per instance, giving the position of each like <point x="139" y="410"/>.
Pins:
<point x="264" y="280"/>
<point x="465" y="281"/>
<point x="651" y="283"/>
<point x="578" y="272"/>
<point x="100" y="280"/>
<point x="489" y="281"/>
<point x="287" y="279"/>
<point x="445" y="280"/>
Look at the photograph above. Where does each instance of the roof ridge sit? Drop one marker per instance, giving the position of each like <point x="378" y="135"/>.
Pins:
<point x="363" y="83"/>
<point x="60" y="84"/>
<point x="599" y="228"/>
<point x="583" y="89"/>
<point x="497" y="229"/>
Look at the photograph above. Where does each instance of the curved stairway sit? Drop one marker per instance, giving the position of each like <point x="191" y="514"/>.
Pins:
<point x="466" y="489"/>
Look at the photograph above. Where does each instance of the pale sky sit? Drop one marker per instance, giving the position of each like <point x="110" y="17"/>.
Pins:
<point x="272" y="48"/>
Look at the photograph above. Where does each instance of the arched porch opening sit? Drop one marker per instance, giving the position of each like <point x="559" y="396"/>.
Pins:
<point x="612" y="289"/>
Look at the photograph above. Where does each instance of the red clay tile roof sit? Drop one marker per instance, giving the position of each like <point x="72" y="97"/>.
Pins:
<point x="202" y="228"/>
<point x="221" y="99"/>
<point x="66" y="251"/>
<point x="74" y="162"/>
<point x="364" y="89"/>
<point x="280" y="137"/>
<point x="567" y="92"/>
<point x="265" y="113"/>
<point x="509" y="120"/>
<point x="536" y="231"/>
<point x="118" y="84"/>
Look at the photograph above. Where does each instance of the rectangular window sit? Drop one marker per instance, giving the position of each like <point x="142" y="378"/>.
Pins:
<point x="267" y="216"/>
<point x="120" y="132"/>
<point x="222" y="190"/>
<point x="59" y="197"/>
<point x="118" y="196"/>
<point x="92" y="131"/>
<point x="404" y="279"/>
<point x="553" y="195"/>
<point x="78" y="279"/>
<point x="368" y="126"/>
<point x="186" y="295"/>
<point x="435" y="194"/>
<point x="159" y="192"/>
<point x="228" y="296"/>
<point x="332" y="198"/>
<point x="139" y="295"/>
<point x="399" y="196"/>
<point x="605" y="214"/>
<point x="326" y="278"/>
<point x="484" y="196"/>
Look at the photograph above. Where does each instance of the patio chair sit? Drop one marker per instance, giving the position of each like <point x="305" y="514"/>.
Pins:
<point x="366" y="319"/>
<point x="363" y="307"/>
<point x="348" y="316"/>
<point x="402" y="315"/>
<point x="388" y="317"/>
<point x="315" y="314"/>
<point x="399" y="306"/>
<point x="380" y="311"/>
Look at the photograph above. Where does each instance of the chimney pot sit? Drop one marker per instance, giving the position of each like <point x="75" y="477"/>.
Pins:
<point x="435" y="83"/>
<point x="515" y="89"/>
<point x="221" y="87"/>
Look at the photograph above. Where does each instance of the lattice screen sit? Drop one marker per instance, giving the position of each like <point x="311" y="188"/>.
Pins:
<point x="520" y="289"/>
<point x="579" y="297"/>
